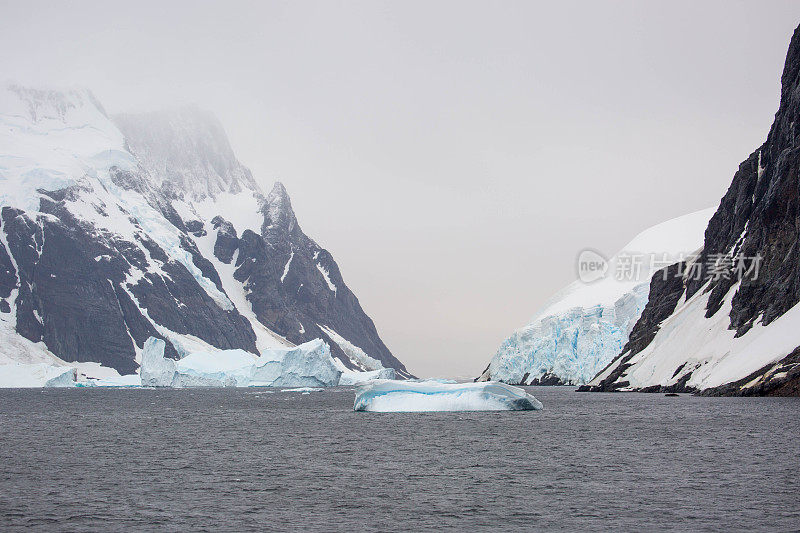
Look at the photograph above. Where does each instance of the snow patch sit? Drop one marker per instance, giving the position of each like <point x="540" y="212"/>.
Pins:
<point x="327" y="276"/>
<point x="288" y="264"/>
<point x="21" y="375"/>
<point x="356" y="355"/>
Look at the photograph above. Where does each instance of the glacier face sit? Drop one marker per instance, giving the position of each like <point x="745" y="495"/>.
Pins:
<point x="385" y="396"/>
<point x="583" y="327"/>
<point x="571" y="347"/>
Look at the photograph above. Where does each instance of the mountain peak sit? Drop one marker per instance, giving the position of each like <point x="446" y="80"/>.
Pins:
<point x="186" y="147"/>
<point x="791" y="69"/>
<point x="278" y="213"/>
<point x="279" y="190"/>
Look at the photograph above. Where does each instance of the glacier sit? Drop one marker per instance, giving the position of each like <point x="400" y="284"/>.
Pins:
<point x="386" y="396"/>
<point x="307" y="365"/>
<point x="36" y="375"/>
<point x="584" y="326"/>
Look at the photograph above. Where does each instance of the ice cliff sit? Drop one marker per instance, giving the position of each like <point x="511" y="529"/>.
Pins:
<point x="583" y="327"/>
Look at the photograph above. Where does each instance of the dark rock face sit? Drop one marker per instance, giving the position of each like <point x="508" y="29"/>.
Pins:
<point x="55" y="282"/>
<point x="285" y="273"/>
<point x="72" y="293"/>
<point x="8" y="277"/>
<point x="782" y="379"/>
<point x="196" y="228"/>
<point x="763" y="202"/>
<point x="547" y="379"/>
<point x="177" y="302"/>
<point x="227" y="241"/>
<point x="759" y="216"/>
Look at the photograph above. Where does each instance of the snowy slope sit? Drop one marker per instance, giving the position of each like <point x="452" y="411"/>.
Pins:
<point x="703" y="353"/>
<point x="115" y="231"/>
<point x="52" y="139"/>
<point x="725" y="329"/>
<point x="584" y="326"/>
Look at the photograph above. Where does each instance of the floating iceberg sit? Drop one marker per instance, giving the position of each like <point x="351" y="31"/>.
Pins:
<point x="225" y="368"/>
<point x="307" y="365"/>
<point x="404" y="396"/>
<point x="36" y="375"/>
<point x="156" y="370"/>
<point x="353" y="378"/>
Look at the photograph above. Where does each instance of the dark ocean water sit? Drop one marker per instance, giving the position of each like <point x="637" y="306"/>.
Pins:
<point x="233" y="460"/>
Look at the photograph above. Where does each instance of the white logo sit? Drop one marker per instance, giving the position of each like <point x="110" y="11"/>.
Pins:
<point x="591" y="266"/>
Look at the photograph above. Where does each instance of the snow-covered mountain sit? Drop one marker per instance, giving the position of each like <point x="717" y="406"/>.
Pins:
<point x="584" y="326"/>
<point x="731" y="323"/>
<point x="116" y="230"/>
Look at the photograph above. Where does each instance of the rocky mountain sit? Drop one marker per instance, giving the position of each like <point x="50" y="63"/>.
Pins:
<point x="584" y="326"/>
<point x="727" y="322"/>
<point x="113" y="230"/>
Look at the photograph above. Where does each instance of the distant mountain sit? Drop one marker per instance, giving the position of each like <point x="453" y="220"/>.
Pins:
<point x="729" y="322"/>
<point x="115" y="230"/>
<point x="584" y="326"/>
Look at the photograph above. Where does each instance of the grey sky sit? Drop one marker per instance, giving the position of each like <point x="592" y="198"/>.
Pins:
<point x="453" y="156"/>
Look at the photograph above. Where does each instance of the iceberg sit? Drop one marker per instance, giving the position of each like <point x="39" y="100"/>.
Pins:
<point x="353" y="378"/>
<point x="433" y="380"/>
<point x="225" y="368"/>
<point x="386" y="396"/>
<point x="36" y="375"/>
<point x="126" y="381"/>
<point x="156" y="370"/>
<point x="307" y="365"/>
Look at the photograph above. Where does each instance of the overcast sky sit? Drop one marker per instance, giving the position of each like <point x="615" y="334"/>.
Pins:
<point x="453" y="156"/>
